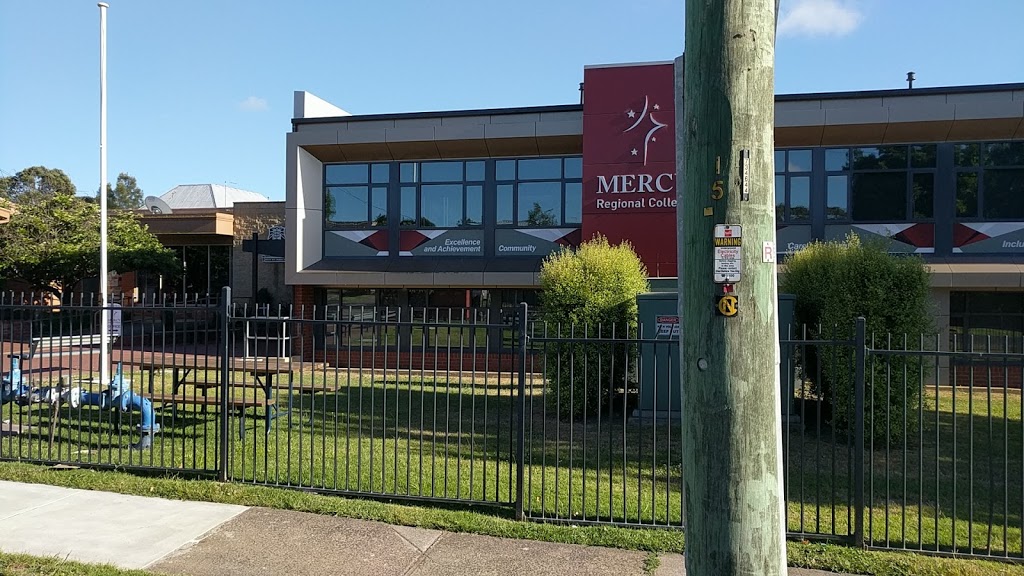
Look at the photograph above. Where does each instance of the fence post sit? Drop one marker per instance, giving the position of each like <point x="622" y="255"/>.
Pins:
<point x="860" y="355"/>
<point x="521" y="413"/>
<point x="225" y="373"/>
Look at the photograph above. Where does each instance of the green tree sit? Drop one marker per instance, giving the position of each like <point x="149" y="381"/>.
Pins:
<point x="125" y="195"/>
<point x="538" y="216"/>
<point x="834" y="283"/>
<point x="590" y="292"/>
<point x="52" y="242"/>
<point x="35" y="180"/>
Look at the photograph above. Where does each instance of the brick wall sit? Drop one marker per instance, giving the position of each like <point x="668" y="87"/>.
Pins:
<point x="441" y="360"/>
<point x="256" y="217"/>
<point x="981" y="373"/>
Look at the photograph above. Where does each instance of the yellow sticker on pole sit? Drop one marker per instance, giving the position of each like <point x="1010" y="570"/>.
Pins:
<point x="728" y="305"/>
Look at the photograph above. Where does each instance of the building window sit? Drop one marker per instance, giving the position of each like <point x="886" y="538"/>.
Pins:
<point x="880" y="183"/>
<point x="356" y="195"/>
<point x="990" y="180"/>
<point x="524" y="192"/>
<point x="539" y="192"/>
<point x="442" y="194"/>
<point x="986" y="321"/>
<point x="793" y="185"/>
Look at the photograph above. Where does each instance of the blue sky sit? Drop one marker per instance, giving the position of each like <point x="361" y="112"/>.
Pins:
<point x="201" y="92"/>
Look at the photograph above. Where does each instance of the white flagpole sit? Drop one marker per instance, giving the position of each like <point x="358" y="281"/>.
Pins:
<point x="104" y="288"/>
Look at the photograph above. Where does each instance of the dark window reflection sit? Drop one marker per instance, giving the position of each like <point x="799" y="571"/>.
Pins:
<point x="880" y="158"/>
<point x="967" y="194"/>
<point x="967" y="155"/>
<point x="879" y="196"/>
<point x="1004" y="194"/>
<point x="923" y="156"/>
<point x="1004" y="154"/>
<point x="923" y="192"/>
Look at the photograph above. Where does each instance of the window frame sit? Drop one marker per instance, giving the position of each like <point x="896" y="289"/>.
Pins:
<point x="979" y="169"/>
<point x="371" y="188"/>
<point x="909" y="171"/>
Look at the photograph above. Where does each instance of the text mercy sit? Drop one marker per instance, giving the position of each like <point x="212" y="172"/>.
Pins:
<point x="636" y="183"/>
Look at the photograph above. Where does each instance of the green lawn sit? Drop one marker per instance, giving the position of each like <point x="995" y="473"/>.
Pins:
<point x="413" y="436"/>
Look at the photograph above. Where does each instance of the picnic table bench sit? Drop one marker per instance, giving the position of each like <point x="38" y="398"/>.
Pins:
<point x="266" y="378"/>
<point x="50" y="343"/>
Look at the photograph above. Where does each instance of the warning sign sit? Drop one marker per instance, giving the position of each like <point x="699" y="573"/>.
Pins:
<point x="728" y="246"/>
<point x="666" y="327"/>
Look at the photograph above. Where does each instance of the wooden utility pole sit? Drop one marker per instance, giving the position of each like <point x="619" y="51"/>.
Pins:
<point x="731" y="399"/>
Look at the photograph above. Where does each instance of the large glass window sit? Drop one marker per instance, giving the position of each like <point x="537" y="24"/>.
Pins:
<point x="880" y="183"/>
<point x="356" y="195"/>
<point x="793" y="185"/>
<point x="522" y="192"/>
<point x="539" y="192"/>
<point x="986" y="321"/>
<point x="445" y="194"/>
<point x="990" y="180"/>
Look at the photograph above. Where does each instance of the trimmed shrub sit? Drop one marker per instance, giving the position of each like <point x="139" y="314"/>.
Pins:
<point x="834" y="283"/>
<point x="590" y="293"/>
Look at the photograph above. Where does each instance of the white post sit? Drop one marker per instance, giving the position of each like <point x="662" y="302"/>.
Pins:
<point x="104" y="288"/>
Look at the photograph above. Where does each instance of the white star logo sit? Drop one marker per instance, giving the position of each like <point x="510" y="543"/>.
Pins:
<point x="631" y="114"/>
<point x="650" y="133"/>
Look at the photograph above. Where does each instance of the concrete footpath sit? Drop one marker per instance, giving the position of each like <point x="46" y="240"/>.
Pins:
<point x="204" y="539"/>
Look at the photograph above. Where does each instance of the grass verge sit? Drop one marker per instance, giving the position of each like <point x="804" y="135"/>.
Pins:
<point x="24" y="565"/>
<point x="805" y="555"/>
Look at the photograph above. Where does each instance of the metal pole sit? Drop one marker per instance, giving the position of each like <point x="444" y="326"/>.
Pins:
<point x="104" y="288"/>
<point x="521" y="413"/>
<point x="860" y="355"/>
<point x="255" y="270"/>
<point x="225" y="388"/>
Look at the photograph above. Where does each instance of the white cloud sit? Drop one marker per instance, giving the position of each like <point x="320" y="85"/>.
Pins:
<point x="253" y="104"/>
<point x="818" y="18"/>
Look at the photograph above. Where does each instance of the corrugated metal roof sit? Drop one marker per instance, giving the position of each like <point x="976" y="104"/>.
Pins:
<point x="208" y="196"/>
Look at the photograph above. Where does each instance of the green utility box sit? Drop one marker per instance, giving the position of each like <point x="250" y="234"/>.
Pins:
<point x="660" y="392"/>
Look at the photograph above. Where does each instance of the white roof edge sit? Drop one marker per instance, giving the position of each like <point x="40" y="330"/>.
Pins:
<point x="628" y="64"/>
<point x="308" y="105"/>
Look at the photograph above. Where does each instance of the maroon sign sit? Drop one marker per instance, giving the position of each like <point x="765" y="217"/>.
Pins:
<point x="629" y="173"/>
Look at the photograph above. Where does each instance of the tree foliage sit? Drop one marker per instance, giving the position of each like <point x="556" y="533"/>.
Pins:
<point x="590" y="292"/>
<point x="836" y="282"/>
<point x="52" y="242"/>
<point x="35" y="181"/>
<point x="538" y="216"/>
<point x="125" y="194"/>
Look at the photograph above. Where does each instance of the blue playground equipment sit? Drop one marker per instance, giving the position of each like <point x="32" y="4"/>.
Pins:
<point x="12" y="385"/>
<point x="118" y="395"/>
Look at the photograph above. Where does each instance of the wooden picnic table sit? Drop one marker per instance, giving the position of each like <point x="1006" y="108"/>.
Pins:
<point x="266" y="376"/>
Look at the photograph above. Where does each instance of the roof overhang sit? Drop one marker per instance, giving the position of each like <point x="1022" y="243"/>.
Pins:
<point x="169" y="226"/>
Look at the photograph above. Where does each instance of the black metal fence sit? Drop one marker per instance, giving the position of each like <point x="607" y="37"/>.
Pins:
<point x="896" y="442"/>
